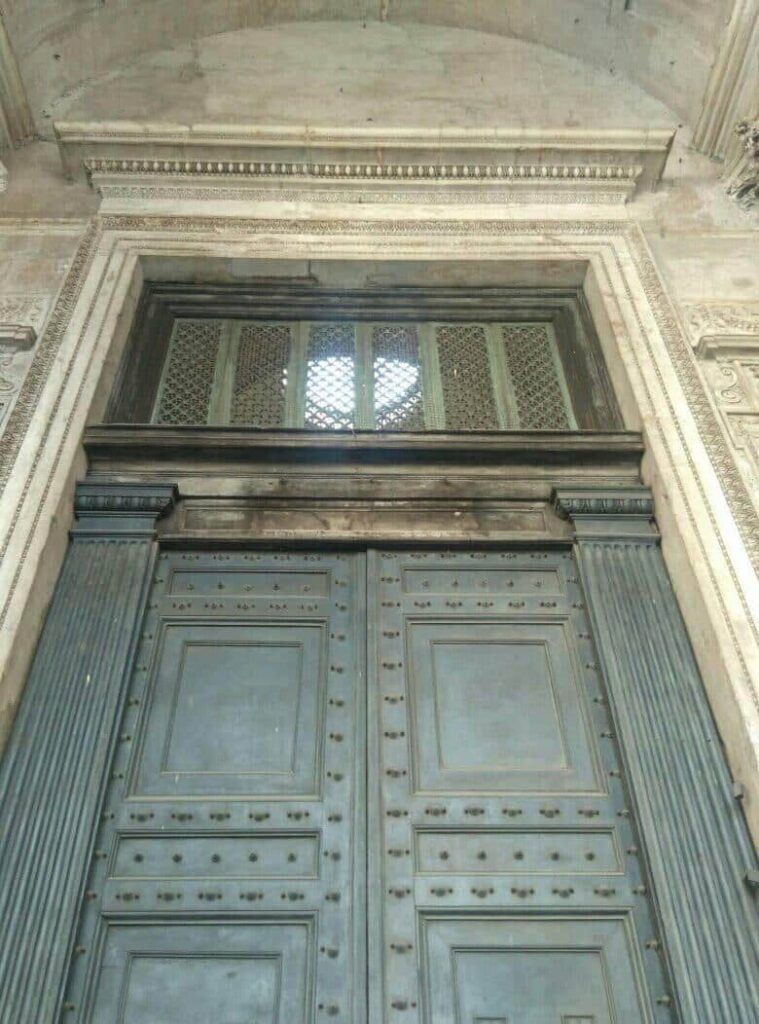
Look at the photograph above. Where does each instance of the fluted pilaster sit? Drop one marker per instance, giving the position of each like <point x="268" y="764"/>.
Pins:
<point x="697" y="842"/>
<point x="52" y="775"/>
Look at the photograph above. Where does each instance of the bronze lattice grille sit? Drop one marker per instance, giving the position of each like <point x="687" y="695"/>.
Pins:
<point x="364" y="376"/>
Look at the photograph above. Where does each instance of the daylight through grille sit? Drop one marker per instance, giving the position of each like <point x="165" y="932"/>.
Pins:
<point x="365" y="376"/>
<point x="397" y="378"/>
<point x="331" y="377"/>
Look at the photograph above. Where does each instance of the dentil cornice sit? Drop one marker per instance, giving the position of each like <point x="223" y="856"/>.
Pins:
<point x="157" y="161"/>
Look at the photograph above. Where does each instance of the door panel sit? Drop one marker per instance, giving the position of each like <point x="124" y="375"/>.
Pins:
<point x="473" y="685"/>
<point x="194" y="973"/>
<point x="505" y="880"/>
<point x="235" y="708"/>
<point x="228" y="879"/>
<point x="522" y="971"/>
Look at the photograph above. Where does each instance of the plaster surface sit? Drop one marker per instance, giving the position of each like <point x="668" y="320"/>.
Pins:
<point x="667" y="47"/>
<point x="351" y="74"/>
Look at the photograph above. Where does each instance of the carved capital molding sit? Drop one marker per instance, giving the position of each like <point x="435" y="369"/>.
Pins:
<point x="123" y="500"/>
<point x="629" y="501"/>
<point x="614" y="514"/>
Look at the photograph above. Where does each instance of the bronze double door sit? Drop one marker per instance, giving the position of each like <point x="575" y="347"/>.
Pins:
<point x="356" y="787"/>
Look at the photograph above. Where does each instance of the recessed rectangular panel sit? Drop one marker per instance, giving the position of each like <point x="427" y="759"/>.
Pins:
<point x="249" y="694"/>
<point x="221" y="582"/>
<point x="177" y="990"/>
<point x="237" y="708"/>
<point x="496" y="706"/>
<point x="482" y="582"/>
<point x="531" y="970"/>
<point x="481" y="710"/>
<point x="194" y="973"/>
<point x="494" y="851"/>
<point x="259" y="855"/>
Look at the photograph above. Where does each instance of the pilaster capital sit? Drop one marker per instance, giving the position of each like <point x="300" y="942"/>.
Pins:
<point x="114" y="507"/>
<point x="624" y="513"/>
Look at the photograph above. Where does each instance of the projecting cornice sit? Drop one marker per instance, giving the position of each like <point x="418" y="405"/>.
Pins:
<point x="130" y="160"/>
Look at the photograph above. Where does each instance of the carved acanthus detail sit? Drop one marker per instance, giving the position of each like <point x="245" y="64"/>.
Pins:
<point x="744" y="186"/>
<point x="709" y="319"/>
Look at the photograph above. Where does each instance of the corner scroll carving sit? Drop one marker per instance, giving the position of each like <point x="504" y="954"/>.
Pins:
<point x="730" y="365"/>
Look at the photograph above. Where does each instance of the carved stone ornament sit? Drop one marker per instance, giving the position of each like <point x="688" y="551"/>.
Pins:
<point x="744" y="186"/>
<point x="25" y="309"/>
<point x="629" y="501"/>
<point x="122" y="499"/>
<point x="706" y="320"/>
<point x="18" y="337"/>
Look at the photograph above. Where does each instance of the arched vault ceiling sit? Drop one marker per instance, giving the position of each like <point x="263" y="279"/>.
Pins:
<point x="666" y="47"/>
<point x="344" y="75"/>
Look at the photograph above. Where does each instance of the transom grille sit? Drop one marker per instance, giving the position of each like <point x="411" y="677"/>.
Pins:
<point x="360" y="375"/>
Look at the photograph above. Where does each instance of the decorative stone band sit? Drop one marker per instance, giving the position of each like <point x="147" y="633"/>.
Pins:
<point x="62" y="738"/>
<point x="364" y="171"/>
<point x="698" y="849"/>
<point x="392" y="182"/>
